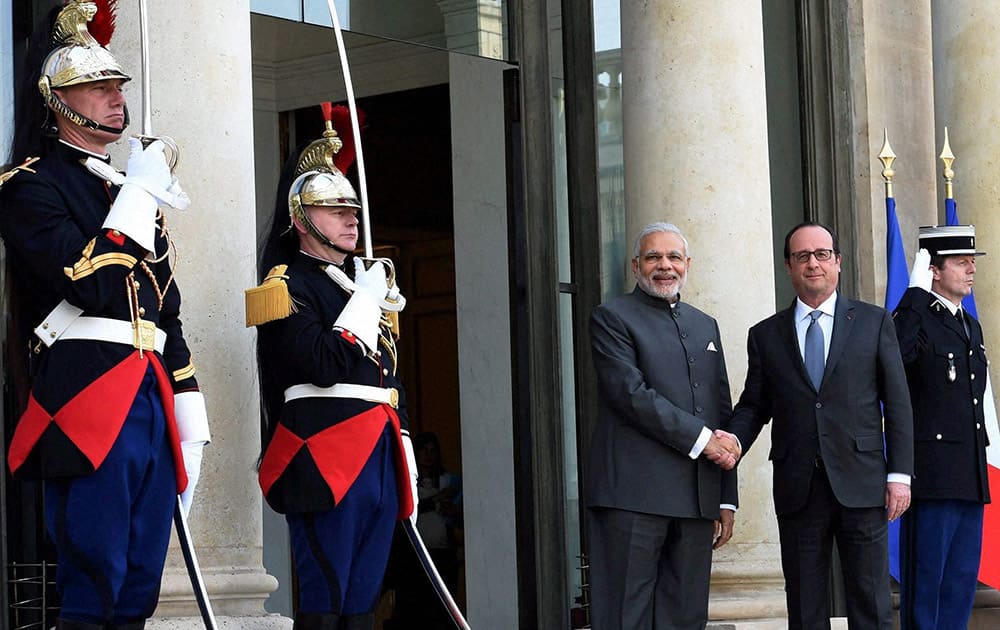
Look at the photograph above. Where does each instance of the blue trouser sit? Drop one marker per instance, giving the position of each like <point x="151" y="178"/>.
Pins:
<point x="111" y="528"/>
<point x="341" y="554"/>
<point x="940" y="545"/>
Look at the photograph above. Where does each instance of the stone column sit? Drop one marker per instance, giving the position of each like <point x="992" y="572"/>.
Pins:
<point x="201" y="96"/>
<point x="474" y="26"/>
<point x="695" y="134"/>
<point x="966" y="45"/>
<point x="891" y="77"/>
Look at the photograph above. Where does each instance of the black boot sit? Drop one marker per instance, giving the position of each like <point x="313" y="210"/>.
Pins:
<point x="67" y="624"/>
<point x="132" y="625"/>
<point x="316" y="621"/>
<point x="358" y="622"/>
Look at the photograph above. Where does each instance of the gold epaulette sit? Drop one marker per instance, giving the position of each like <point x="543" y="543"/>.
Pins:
<point x="270" y="301"/>
<point x="14" y="171"/>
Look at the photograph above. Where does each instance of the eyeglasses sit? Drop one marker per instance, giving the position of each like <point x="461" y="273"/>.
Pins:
<point x="822" y="255"/>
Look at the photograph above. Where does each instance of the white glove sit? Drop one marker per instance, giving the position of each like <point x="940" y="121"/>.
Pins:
<point x="192" y="452"/>
<point x="411" y="464"/>
<point x="371" y="280"/>
<point x="147" y="167"/>
<point x="179" y="199"/>
<point x="362" y="313"/>
<point x="145" y="187"/>
<point x="921" y="275"/>
<point x="192" y="430"/>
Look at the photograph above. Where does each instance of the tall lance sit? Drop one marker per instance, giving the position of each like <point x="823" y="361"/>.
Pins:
<point x="411" y="532"/>
<point x="180" y="519"/>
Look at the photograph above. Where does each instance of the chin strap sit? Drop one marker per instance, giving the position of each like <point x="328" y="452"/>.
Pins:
<point x="57" y="105"/>
<point x="303" y="216"/>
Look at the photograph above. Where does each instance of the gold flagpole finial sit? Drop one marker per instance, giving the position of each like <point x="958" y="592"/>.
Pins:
<point x="948" y="158"/>
<point x="887" y="157"/>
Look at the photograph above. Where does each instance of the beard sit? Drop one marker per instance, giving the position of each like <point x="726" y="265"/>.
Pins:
<point x="647" y="284"/>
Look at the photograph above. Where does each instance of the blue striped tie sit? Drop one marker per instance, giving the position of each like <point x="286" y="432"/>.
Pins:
<point x="814" y="350"/>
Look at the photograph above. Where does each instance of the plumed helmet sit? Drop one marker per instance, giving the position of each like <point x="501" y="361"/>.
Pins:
<point x="322" y="188"/>
<point x="319" y="179"/>
<point x="79" y="56"/>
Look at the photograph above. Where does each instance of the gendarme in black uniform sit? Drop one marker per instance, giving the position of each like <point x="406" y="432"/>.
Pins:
<point x="946" y="368"/>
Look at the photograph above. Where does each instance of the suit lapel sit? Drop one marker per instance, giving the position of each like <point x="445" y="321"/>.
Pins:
<point x="843" y="321"/>
<point x="790" y="340"/>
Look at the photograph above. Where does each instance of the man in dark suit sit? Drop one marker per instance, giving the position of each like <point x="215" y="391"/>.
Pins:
<point x="654" y="481"/>
<point x="824" y="369"/>
<point x="945" y="358"/>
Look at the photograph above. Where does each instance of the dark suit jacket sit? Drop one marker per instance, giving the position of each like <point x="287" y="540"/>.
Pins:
<point x="661" y="379"/>
<point x="842" y="422"/>
<point x="948" y="427"/>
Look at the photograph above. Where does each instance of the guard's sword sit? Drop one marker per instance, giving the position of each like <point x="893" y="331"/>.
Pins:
<point x="147" y="136"/>
<point x="432" y="573"/>
<point x="366" y="229"/>
<point x="191" y="562"/>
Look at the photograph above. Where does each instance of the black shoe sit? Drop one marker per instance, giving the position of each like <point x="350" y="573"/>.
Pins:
<point x="358" y="622"/>
<point x="132" y="625"/>
<point x="316" y="621"/>
<point x="68" y="624"/>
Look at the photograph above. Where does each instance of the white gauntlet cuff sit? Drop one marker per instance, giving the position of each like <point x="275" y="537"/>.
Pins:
<point x="192" y="417"/>
<point x="134" y="214"/>
<point x="361" y="318"/>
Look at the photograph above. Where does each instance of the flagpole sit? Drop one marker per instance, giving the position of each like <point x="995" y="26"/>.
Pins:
<point x="896" y="280"/>
<point x="887" y="157"/>
<point x="896" y="274"/>
<point x="948" y="158"/>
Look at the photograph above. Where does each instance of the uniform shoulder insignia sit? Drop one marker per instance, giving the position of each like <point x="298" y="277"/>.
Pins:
<point x="270" y="301"/>
<point x="26" y="166"/>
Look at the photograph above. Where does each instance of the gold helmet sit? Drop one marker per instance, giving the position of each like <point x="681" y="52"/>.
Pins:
<point x="319" y="182"/>
<point x="79" y="58"/>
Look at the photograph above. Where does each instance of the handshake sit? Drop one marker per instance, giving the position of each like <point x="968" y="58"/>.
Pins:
<point x="723" y="449"/>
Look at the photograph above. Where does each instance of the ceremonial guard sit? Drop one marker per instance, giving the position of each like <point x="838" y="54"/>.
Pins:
<point x="114" y="402"/>
<point x="945" y="357"/>
<point x="338" y="462"/>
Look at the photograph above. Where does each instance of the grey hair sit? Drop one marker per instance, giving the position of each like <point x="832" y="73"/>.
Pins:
<point x="660" y="226"/>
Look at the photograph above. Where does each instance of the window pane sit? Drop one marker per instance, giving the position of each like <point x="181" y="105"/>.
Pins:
<point x="287" y="9"/>
<point x="476" y="27"/>
<point x="615" y="245"/>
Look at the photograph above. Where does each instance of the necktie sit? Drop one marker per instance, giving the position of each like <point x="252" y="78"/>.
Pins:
<point x="960" y="314"/>
<point x="814" y="359"/>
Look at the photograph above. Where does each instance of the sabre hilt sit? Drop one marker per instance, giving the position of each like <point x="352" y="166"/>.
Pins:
<point x="170" y="150"/>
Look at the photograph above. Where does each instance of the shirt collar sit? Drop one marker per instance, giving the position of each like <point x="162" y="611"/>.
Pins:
<point x="828" y="307"/>
<point x="106" y="157"/>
